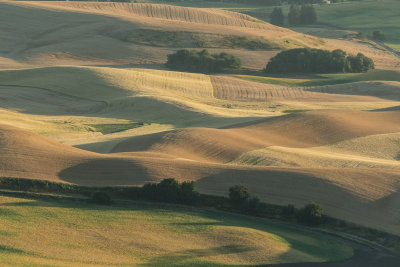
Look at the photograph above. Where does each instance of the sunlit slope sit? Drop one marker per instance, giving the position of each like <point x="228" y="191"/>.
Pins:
<point x="232" y="88"/>
<point x="66" y="103"/>
<point x="76" y="33"/>
<point x="365" y="196"/>
<point x="376" y="151"/>
<point x="307" y="129"/>
<point x="68" y="233"/>
<point x="49" y="33"/>
<point x="68" y="99"/>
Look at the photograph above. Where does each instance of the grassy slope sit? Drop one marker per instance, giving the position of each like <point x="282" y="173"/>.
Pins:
<point x="60" y="234"/>
<point x="362" y="16"/>
<point x="366" y="17"/>
<point x="371" y="194"/>
<point x="374" y="151"/>
<point x="161" y="99"/>
<point x="55" y="33"/>
<point x="46" y="34"/>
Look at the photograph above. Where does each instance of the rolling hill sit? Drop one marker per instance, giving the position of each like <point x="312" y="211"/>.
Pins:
<point x="369" y="193"/>
<point x="75" y="33"/>
<point x="85" y="99"/>
<point x="67" y="233"/>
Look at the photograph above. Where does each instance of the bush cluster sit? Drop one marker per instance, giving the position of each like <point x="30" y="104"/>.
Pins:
<point x="308" y="60"/>
<point x="311" y="214"/>
<point x="241" y="199"/>
<point x="306" y="14"/>
<point x="201" y="61"/>
<point x="378" y="35"/>
<point x="170" y="191"/>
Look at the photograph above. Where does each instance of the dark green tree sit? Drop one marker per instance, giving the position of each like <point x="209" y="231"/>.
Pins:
<point x="168" y="190"/>
<point x="360" y="63"/>
<point x="378" y="35"/>
<point x="277" y="17"/>
<point x="294" y="15"/>
<point x="308" y="14"/>
<point x="201" y="61"/>
<point x="310" y="214"/>
<point x="288" y="211"/>
<point x="254" y="204"/>
<point x="239" y="195"/>
<point x="309" y="60"/>
<point x="339" y="61"/>
<point x="188" y="193"/>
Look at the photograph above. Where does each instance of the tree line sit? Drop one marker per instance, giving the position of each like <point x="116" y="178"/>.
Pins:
<point x="309" y="60"/>
<point x="201" y="61"/>
<point x="240" y="200"/>
<point x="267" y="2"/>
<point x="298" y="15"/>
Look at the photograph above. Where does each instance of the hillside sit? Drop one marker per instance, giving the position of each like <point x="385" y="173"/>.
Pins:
<point x="370" y="193"/>
<point x="74" y="104"/>
<point x="307" y="129"/>
<point x="85" y="99"/>
<point x="65" y="33"/>
<point x="69" y="233"/>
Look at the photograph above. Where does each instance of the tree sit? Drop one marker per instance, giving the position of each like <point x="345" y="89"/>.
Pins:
<point x="309" y="60"/>
<point x="168" y="190"/>
<point x="239" y="195"/>
<point x="378" y="35"/>
<point x="188" y="193"/>
<point x="254" y="204"/>
<point x="310" y="214"/>
<point x="308" y="15"/>
<point x="294" y="15"/>
<point x="277" y="17"/>
<point x="339" y="61"/>
<point x="360" y="63"/>
<point x="288" y="211"/>
<point x="201" y="61"/>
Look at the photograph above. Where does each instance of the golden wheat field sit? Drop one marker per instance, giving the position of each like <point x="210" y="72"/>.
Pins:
<point x="85" y="99"/>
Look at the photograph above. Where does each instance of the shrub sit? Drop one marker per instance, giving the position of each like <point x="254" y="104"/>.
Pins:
<point x="311" y="214"/>
<point x="188" y="193"/>
<point x="360" y="63"/>
<point x="101" y="198"/>
<point x="201" y="61"/>
<point x="378" y="35"/>
<point x="288" y="211"/>
<point x="239" y="195"/>
<point x="170" y="190"/>
<point x="254" y="205"/>
<point x="308" y="60"/>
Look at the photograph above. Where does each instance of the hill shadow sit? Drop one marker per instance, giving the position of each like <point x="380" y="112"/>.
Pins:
<point x="106" y="171"/>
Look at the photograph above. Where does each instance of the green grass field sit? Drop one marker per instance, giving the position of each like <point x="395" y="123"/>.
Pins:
<point x="37" y="232"/>
<point x="365" y="17"/>
<point x="326" y="79"/>
<point x="361" y="16"/>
